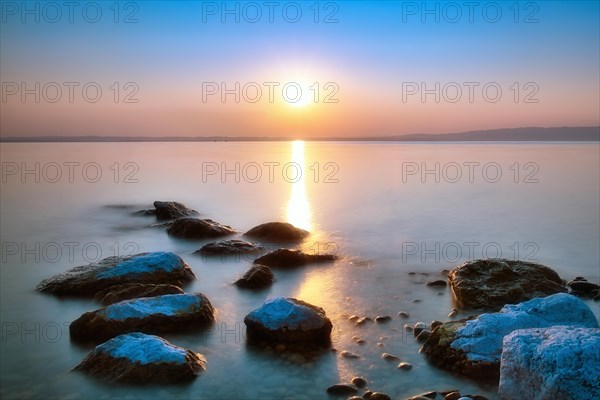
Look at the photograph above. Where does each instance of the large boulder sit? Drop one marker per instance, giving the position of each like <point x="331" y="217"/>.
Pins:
<point x="147" y="268"/>
<point x="277" y="232"/>
<point x="196" y="228"/>
<point x="117" y="293"/>
<point x="167" y="313"/>
<point x="142" y="359"/>
<point x="492" y="283"/>
<point x="229" y="247"/>
<point x="473" y="347"/>
<point x="561" y="362"/>
<point x="289" y="320"/>
<point x="257" y="277"/>
<point x="286" y="258"/>
<point x="172" y="210"/>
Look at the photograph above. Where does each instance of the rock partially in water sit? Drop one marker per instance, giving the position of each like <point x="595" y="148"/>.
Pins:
<point x="138" y="358"/>
<point x="257" y="277"/>
<point x="493" y="283"/>
<point x="147" y="268"/>
<point x="167" y="313"/>
<point x="289" y="320"/>
<point x="277" y="232"/>
<point x="196" y="228"/>
<point x="581" y="287"/>
<point x="342" y="389"/>
<point x="561" y="362"/>
<point x="172" y="210"/>
<point x="359" y="381"/>
<point x="379" y="396"/>
<point x="128" y="291"/>
<point x="286" y="258"/>
<point x="229" y="247"/>
<point x="438" y="282"/>
<point x="474" y="347"/>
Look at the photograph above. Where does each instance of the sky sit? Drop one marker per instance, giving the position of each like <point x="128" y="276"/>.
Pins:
<point x="302" y="69"/>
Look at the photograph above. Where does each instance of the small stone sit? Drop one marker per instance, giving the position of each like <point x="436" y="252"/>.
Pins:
<point x="403" y="314"/>
<point x="383" y="318"/>
<point x="408" y="328"/>
<point x="355" y="398"/>
<point x="354" y="318"/>
<point x="389" y="357"/>
<point x="380" y="345"/>
<point x="583" y="286"/>
<point x="453" y="313"/>
<point x="367" y="395"/>
<point x="416" y="301"/>
<point x="418" y="328"/>
<point x="347" y="354"/>
<point x="438" y="282"/>
<point x="423" y="336"/>
<point x="452" y="396"/>
<point x="359" y="382"/>
<point x="361" y="341"/>
<point x="412" y="273"/>
<point x="342" y="389"/>
<point x="405" y="366"/>
<point x="364" y="320"/>
<point x="435" y="324"/>
<point x="379" y="396"/>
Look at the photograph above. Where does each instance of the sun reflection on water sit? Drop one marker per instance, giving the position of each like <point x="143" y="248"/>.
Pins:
<point x="298" y="208"/>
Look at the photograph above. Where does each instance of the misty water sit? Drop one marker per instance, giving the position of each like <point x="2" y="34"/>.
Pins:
<point x="370" y="203"/>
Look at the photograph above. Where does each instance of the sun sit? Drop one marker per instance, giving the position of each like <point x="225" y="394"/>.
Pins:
<point x="299" y="93"/>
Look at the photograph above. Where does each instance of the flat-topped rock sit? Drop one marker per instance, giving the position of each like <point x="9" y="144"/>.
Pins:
<point x="229" y="247"/>
<point x="172" y="210"/>
<point x="146" y="268"/>
<point x="167" y="313"/>
<point x="257" y="277"/>
<point x="196" y="228"/>
<point x="289" y="320"/>
<point x="492" y="283"/>
<point x="561" y="362"/>
<point x="142" y="359"/>
<point x="474" y="347"/>
<point x="277" y="232"/>
<point x="127" y="291"/>
<point x="287" y="258"/>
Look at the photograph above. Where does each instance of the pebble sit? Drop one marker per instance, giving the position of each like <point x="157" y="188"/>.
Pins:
<point x="354" y="318"/>
<point x="453" y="313"/>
<point x="405" y="366"/>
<point x="379" y="396"/>
<point x="403" y="314"/>
<point x="437" y="282"/>
<point x="361" y="341"/>
<point x="416" y="301"/>
<point x="347" y="354"/>
<point x="418" y="328"/>
<point x="383" y="318"/>
<point x="452" y="396"/>
<point x="342" y="388"/>
<point x="363" y="320"/>
<point x="390" y="357"/>
<point x="435" y="324"/>
<point x="408" y="328"/>
<point x="359" y="381"/>
<point x="367" y="394"/>
<point x="423" y="336"/>
<point x="380" y="345"/>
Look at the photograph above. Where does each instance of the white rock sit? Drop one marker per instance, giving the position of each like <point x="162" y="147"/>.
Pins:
<point x="560" y="362"/>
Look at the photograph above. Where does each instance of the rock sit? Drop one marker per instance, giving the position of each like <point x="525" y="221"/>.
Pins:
<point x="403" y="314"/>
<point x="127" y="291"/>
<point x="167" y="313"/>
<point x="277" y="232"/>
<point x="492" y="283"/>
<point x="286" y="258"/>
<point x="379" y="396"/>
<point x="363" y="320"/>
<point x="229" y="247"/>
<point x="145" y="213"/>
<point x="257" y="277"/>
<point x="439" y="283"/>
<point x="367" y="394"/>
<point x="452" y="396"/>
<point x="196" y="228"/>
<point x="142" y="359"/>
<point x="289" y="320"/>
<point x="147" y="268"/>
<point x="474" y="347"/>
<point x="418" y="328"/>
<point x="453" y="313"/>
<point x="389" y="357"/>
<point x="428" y="395"/>
<point x="435" y="324"/>
<point x="347" y="354"/>
<point x="423" y="336"/>
<point x="354" y="398"/>
<point x="405" y="366"/>
<point x="359" y="382"/>
<point x="383" y="318"/>
<point x="342" y="389"/>
<point x="172" y="210"/>
<point x="583" y="286"/>
<point x="561" y="362"/>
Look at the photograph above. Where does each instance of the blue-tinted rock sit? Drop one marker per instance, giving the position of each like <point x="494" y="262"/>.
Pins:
<point x="139" y="358"/>
<point x="147" y="268"/>
<point x="277" y="232"/>
<point x="561" y="362"/>
<point x="196" y="228"/>
<point x="128" y="291"/>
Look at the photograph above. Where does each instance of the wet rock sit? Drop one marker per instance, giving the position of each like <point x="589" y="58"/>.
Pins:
<point x="128" y="291"/>
<point x="277" y="232"/>
<point x="492" y="283"/>
<point x="438" y="283"/>
<point x="354" y="398"/>
<point x="145" y="213"/>
<point x="418" y="328"/>
<point x="196" y="228"/>
<point x="147" y="268"/>
<point x="389" y="357"/>
<point x="353" y="318"/>
<point x="474" y="347"/>
<point x="363" y="320"/>
<point x="257" y="277"/>
<point x="384" y="318"/>
<point x="379" y="396"/>
<point x="347" y="354"/>
<point x="359" y="382"/>
<point x="229" y="247"/>
<point x="167" y="313"/>
<point x="286" y="258"/>
<point x="435" y="324"/>
<point x="367" y="394"/>
<point x="403" y="314"/>
<point x="560" y="362"/>
<point x="142" y="359"/>
<point x="453" y="313"/>
<point x="582" y="286"/>
<point x="452" y="396"/>
<point x="172" y="210"/>
<point x="423" y="336"/>
<point x="289" y="320"/>
<point x="342" y="389"/>
<point x="428" y="395"/>
<point x="405" y="366"/>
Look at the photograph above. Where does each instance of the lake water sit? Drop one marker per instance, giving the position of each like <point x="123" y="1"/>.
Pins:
<point x="368" y="202"/>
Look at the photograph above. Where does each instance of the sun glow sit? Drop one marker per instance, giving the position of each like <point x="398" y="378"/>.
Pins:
<point x="298" y="208"/>
<point x="299" y="93"/>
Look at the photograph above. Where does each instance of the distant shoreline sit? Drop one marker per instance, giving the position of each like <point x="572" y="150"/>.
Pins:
<point x="530" y="134"/>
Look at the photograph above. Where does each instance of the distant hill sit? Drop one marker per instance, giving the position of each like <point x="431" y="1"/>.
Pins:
<point x="559" y="134"/>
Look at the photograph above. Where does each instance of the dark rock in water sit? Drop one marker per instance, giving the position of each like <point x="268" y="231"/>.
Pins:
<point x="342" y="389"/>
<point x="405" y="366"/>
<point x="257" y="277"/>
<point x="229" y="247"/>
<point x="277" y="232"/>
<point x="137" y="358"/>
<point x="428" y="395"/>
<point x="289" y="320"/>
<point x="383" y="318"/>
<point x="435" y="324"/>
<point x="493" y="283"/>
<point x="438" y="282"/>
<point x="452" y="396"/>
<point x="147" y="268"/>
<point x="167" y="313"/>
<point x="367" y="394"/>
<point x="583" y="286"/>
<point x="286" y="258"/>
<point x="145" y="213"/>
<point x="128" y="291"/>
<point x="379" y="396"/>
<point x="403" y="314"/>
<point x="389" y="357"/>
<point x="359" y="382"/>
<point x="196" y="228"/>
<point x="418" y="328"/>
<point x="172" y="210"/>
<point x="423" y="336"/>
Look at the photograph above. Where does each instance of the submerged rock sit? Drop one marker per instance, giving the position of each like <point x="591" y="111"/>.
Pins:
<point x="117" y="293"/>
<point x="167" y="313"/>
<point x="257" y="277"/>
<point x="147" y="268"/>
<point x="561" y="362"/>
<point x="277" y="232"/>
<point x="196" y="228"/>
<point x="172" y="210"/>
<point x="289" y="320"/>
<point x="139" y="358"/>
<point x="342" y="389"/>
<point x="286" y="258"/>
<point x="493" y="283"/>
<point x="229" y="247"/>
<point x="474" y="347"/>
